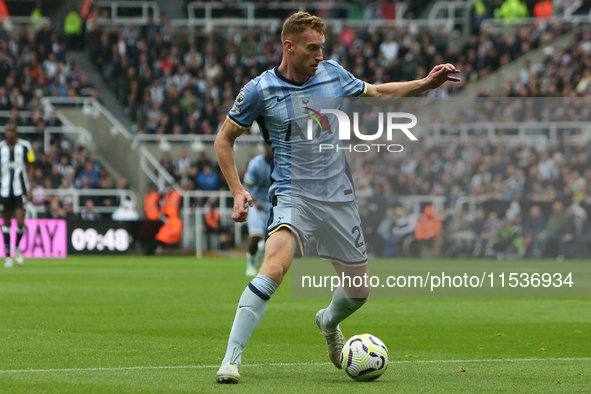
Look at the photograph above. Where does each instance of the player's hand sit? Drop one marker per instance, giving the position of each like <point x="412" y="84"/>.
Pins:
<point x="242" y="201"/>
<point x="441" y="74"/>
<point x="29" y="196"/>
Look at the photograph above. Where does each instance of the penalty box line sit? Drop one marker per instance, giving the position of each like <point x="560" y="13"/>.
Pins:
<point x="509" y="360"/>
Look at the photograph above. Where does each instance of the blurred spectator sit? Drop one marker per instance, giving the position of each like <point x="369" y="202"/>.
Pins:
<point x="544" y="9"/>
<point x="581" y="234"/>
<point x="511" y="9"/>
<point x="88" y="214"/>
<point x="167" y="163"/>
<point x="56" y="211"/>
<point x="479" y="11"/>
<point x="553" y="231"/>
<point x="404" y="224"/>
<point x="458" y="235"/>
<point x="171" y="203"/>
<point x="568" y="231"/>
<point x="88" y="177"/>
<point x="73" y="29"/>
<point x="152" y="203"/>
<point x="216" y="234"/>
<point x="509" y="241"/>
<point x="70" y="214"/>
<point x="207" y="179"/>
<point x="488" y="234"/>
<point x="36" y="16"/>
<point x="533" y="225"/>
<point x="169" y="234"/>
<point x="183" y="165"/>
<point x="369" y="224"/>
<point x="428" y="228"/>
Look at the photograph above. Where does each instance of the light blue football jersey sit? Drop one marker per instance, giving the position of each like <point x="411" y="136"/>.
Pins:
<point x="258" y="177"/>
<point x="278" y="104"/>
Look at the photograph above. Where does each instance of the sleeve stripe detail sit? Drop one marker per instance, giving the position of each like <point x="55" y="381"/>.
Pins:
<point x="237" y="123"/>
<point x="363" y="91"/>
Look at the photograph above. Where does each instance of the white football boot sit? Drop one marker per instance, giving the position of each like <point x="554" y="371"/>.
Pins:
<point x="228" y="373"/>
<point x="8" y="262"/>
<point x="260" y="255"/>
<point x="334" y="340"/>
<point x="251" y="270"/>
<point x="18" y="257"/>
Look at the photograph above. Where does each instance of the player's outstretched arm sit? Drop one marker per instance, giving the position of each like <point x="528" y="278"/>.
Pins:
<point x="437" y="77"/>
<point x="224" y="148"/>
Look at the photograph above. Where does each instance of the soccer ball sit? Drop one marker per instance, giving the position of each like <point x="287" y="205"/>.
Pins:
<point x="365" y="357"/>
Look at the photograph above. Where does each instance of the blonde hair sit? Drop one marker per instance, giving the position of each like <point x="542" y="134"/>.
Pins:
<point x="299" y="23"/>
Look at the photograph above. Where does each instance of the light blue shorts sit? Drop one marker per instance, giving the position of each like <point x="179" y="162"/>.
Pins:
<point x="257" y="221"/>
<point x="335" y="226"/>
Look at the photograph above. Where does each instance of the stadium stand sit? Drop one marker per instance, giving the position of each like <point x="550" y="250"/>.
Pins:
<point x="181" y="83"/>
<point x="179" y="79"/>
<point x="489" y="173"/>
<point x="34" y="64"/>
<point x="480" y="159"/>
<point x="565" y="73"/>
<point x="174" y="82"/>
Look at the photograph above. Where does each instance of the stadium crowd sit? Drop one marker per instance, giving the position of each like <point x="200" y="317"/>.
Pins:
<point x="173" y="81"/>
<point x="195" y="174"/>
<point x="350" y="10"/>
<point x="529" y="203"/>
<point x="34" y="64"/>
<point x="177" y="81"/>
<point x="563" y="73"/>
<point x="354" y="10"/>
<point x="67" y="168"/>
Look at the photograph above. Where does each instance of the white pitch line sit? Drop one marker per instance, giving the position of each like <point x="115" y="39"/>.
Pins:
<point x="509" y="360"/>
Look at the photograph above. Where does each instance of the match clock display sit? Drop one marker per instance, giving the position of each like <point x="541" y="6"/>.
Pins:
<point x="98" y="238"/>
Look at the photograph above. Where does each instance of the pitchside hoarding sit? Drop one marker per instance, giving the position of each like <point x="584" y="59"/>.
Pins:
<point x="44" y="238"/>
<point x="56" y="238"/>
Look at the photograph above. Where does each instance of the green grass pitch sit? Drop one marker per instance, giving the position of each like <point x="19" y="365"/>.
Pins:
<point x="112" y="325"/>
